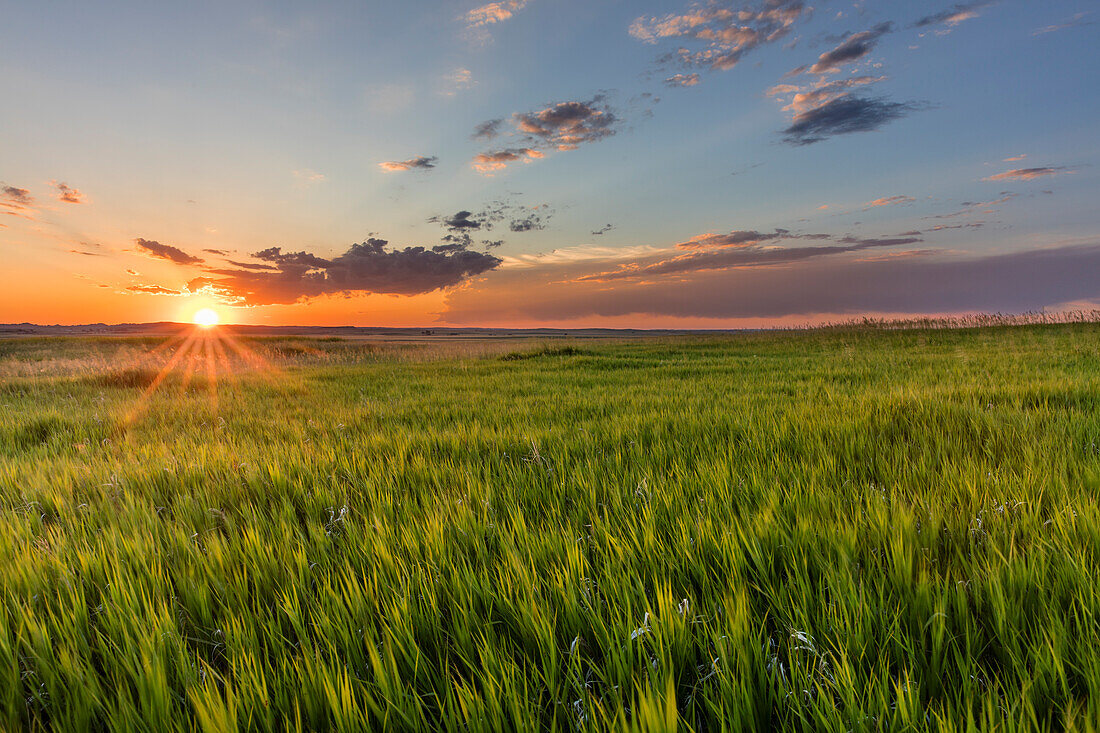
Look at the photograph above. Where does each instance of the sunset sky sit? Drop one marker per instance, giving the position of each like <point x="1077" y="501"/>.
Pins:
<point x="547" y="162"/>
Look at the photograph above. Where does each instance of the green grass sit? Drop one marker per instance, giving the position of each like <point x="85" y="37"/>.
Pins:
<point x="837" y="530"/>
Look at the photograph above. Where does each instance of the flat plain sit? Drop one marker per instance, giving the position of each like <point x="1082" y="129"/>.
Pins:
<point x="842" y="529"/>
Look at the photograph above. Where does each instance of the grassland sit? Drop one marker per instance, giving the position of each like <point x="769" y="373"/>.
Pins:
<point x="838" y="530"/>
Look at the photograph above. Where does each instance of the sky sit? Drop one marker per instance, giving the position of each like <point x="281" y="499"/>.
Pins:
<point x="569" y="163"/>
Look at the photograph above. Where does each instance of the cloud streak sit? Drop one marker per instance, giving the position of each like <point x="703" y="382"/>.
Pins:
<point x="166" y="252"/>
<point x="855" y="47"/>
<point x="419" y="163"/>
<point x="910" y="283"/>
<point x="1029" y="174"/>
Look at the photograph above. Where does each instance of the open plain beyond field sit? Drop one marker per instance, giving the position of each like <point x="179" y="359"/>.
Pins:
<point x="833" y="530"/>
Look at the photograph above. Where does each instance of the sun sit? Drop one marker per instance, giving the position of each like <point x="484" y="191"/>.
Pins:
<point x="206" y="317"/>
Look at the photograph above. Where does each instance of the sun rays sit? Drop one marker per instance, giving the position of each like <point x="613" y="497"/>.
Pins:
<point x="198" y="357"/>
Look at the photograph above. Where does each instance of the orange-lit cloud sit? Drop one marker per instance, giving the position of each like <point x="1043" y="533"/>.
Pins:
<point x="67" y="194"/>
<point x="495" y="160"/>
<point x="1029" y="174"/>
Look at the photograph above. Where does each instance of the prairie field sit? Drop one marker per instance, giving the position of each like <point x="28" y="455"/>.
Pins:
<point x="843" y="529"/>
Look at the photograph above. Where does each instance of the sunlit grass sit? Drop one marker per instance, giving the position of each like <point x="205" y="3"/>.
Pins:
<point x="839" y="530"/>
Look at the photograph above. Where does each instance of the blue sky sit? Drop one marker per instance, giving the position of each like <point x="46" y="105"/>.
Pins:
<point x="193" y="139"/>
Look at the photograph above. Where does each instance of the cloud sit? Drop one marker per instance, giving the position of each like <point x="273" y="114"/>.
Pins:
<point x="1014" y="158"/>
<point x="457" y="81"/>
<point x="16" y="199"/>
<point x="682" y="80"/>
<point x="818" y="92"/>
<point x="370" y="267"/>
<point x="566" y="125"/>
<point x="843" y="115"/>
<point x="955" y="15"/>
<point x="166" y="252"/>
<point x="86" y="254"/>
<point x="1029" y="174"/>
<point x="487" y="130"/>
<point x="888" y="200"/>
<point x="531" y="222"/>
<point x="419" y="163"/>
<point x="67" y="194"/>
<point x="520" y="219"/>
<point x="1077" y="20"/>
<point x="461" y="221"/>
<point x="491" y="13"/>
<point x="740" y="249"/>
<point x="602" y="230"/>
<point x="217" y="251"/>
<point x="722" y="33"/>
<point x="152" y="290"/>
<point x="914" y="282"/>
<point x="855" y="47"/>
<point x="309" y="177"/>
<point x="495" y="160"/>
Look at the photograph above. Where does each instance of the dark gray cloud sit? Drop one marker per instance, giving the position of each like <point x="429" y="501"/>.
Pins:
<point x="419" y="163"/>
<point x="565" y="125"/>
<point x="915" y="282"/>
<point x="217" y="251"/>
<point x="460" y="221"/>
<point x="853" y="48"/>
<point x="954" y="15"/>
<point x="166" y="252"/>
<point x="487" y="130"/>
<point x="718" y="35"/>
<point x="843" y="115"/>
<point x="370" y="267"/>
<point x="602" y="230"/>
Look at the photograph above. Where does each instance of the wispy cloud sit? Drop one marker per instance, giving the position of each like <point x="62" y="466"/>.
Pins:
<point x="954" y="15"/>
<point x="1029" y="174"/>
<point x="166" y="252"/>
<point x="853" y="48"/>
<point x="419" y="163"/>
<point x="910" y="281"/>
<point x="495" y="160"/>
<point x="67" y="194"/>
<point x="1077" y="20"/>
<point x="152" y="290"/>
<point x="682" y="80"/>
<point x="492" y="13"/>
<point x="17" y="201"/>
<point x="888" y="200"/>
<point x="719" y="34"/>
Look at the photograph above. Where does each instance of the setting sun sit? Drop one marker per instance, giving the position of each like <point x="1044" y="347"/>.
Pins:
<point x="206" y="317"/>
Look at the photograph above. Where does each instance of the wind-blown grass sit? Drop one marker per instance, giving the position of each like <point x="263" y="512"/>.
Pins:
<point x="836" y="530"/>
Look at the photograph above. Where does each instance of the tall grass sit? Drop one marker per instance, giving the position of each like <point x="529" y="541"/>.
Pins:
<point x="835" y="530"/>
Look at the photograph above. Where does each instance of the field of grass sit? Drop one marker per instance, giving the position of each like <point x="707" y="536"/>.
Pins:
<point x="846" y="529"/>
